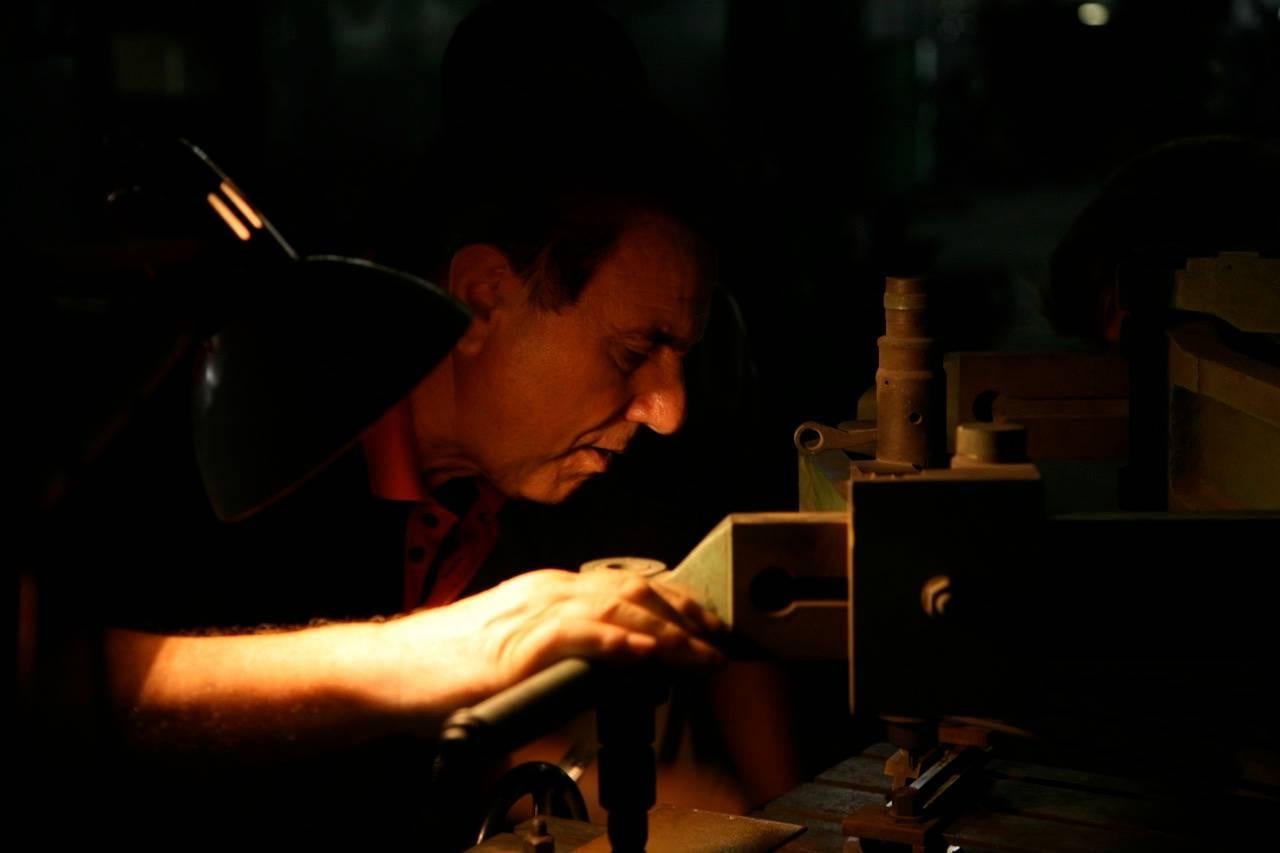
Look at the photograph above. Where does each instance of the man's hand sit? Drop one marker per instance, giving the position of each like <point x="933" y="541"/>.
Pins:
<point x="485" y="643"/>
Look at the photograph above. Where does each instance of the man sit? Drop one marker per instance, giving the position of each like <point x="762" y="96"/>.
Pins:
<point x="586" y="291"/>
<point x="587" y="286"/>
<point x="305" y="729"/>
<point x="542" y="391"/>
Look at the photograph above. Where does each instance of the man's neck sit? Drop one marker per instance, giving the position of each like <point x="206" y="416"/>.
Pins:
<point x="433" y="425"/>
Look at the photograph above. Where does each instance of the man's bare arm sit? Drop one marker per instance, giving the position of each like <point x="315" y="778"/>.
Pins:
<point x="347" y="682"/>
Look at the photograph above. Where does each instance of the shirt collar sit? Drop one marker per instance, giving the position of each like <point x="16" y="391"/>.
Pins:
<point x="391" y="455"/>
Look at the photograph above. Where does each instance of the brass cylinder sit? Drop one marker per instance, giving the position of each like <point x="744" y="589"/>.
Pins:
<point x="910" y="407"/>
<point x="990" y="444"/>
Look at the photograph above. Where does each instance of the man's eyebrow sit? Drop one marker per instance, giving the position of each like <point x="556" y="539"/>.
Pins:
<point x="658" y="337"/>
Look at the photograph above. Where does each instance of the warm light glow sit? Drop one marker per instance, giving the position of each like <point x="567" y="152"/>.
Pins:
<point x="228" y="217"/>
<point x="1094" y="14"/>
<point x="243" y="206"/>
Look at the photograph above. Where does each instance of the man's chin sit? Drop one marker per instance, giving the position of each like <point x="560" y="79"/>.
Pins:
<point x="557" y="491"/>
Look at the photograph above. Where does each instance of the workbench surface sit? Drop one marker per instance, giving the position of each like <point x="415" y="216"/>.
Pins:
<point x="1030" y="807"/>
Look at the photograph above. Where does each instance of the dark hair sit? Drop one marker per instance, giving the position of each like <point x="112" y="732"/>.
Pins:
<point x="556" y="237"/>
<point x="557" y="251"/>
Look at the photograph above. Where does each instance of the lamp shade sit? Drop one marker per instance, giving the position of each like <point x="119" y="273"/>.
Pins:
<point x="295" y="356"/>
<point x="291" y="381"/>
<point x="300" y="354"/>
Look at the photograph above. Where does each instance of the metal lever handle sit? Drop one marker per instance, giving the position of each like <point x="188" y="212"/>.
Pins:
<point x="813" y="438"/>
<point x="525" y="711"/>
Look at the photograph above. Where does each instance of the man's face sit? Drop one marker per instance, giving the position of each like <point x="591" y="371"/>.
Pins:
<point x="549" y="397"/>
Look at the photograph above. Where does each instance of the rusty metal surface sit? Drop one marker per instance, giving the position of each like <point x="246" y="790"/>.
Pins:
<point x="677" y="830"/>
<point x="910" y="388"/>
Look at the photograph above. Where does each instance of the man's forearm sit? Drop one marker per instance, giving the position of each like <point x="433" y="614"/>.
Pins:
<point x="339" y="683"/>
<point x="345" y="683"/>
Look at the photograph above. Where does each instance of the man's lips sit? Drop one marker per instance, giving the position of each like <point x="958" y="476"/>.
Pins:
<point x="601" y="457"/>
<point x="598" y="451"/>
<point x="607" y="449"/>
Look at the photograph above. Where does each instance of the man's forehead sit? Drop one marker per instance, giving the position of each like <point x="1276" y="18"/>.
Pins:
<point x="652" y="283"/>
<point x="665" y="312"/>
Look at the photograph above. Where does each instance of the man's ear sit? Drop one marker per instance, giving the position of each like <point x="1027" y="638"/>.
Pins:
<point x="477" y="274"/>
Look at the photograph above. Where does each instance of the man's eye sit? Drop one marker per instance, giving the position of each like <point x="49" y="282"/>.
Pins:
<point x="631" y="359"/>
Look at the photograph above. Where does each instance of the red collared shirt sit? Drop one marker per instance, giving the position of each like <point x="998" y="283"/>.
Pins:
<point x="442" y="551"/>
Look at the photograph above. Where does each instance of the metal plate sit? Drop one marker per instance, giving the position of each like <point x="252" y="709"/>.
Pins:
<point x="676" y="830"/>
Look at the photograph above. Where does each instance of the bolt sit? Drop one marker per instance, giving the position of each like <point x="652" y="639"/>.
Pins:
<point x="538" y="840"/>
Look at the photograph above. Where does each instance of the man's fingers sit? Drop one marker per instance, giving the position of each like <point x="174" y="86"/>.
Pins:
<point x="674" y="644"/>
<point x="700" y="651"/>
<point x="552" y="615"/>
<point x="632" y="633"/>
<point x="636" y="617"/>
<point x="596" y="640"/>
<point x="647" y="597"/>
<point x="671" y="603"/>
<point x="682" y="601"/>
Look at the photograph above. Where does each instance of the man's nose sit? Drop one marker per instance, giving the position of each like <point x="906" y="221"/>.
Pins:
<point x="658" y="396"/>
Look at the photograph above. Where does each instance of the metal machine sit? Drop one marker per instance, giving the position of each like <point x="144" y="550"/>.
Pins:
<point x="964" y="600"/>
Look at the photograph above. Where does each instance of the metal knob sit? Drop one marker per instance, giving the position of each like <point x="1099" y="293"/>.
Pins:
<point x="991" y="443"/>
<point x="641" y="566"/>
